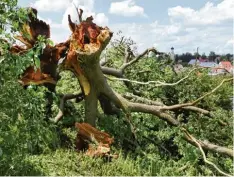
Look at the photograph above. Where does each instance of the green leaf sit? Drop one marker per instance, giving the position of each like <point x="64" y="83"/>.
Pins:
<point x="37" y="63"/>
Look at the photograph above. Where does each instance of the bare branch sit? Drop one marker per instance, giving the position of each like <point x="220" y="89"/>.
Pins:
<point x="157" y="83"/>
<point x="212" y="91"/>
<point x="203" y="154"/>
<point x="127" y="54"/>
<point x="197" y="100"/>
<point x="138" y="99"/>
<point x="156" y="103"/>
<point x="66" y="97"/>
<point x="125" y="65"/>
<point x="79" y="13"/>
<point x="118" y="73"/>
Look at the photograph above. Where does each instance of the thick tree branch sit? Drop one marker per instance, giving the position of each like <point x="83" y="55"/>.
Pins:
<point x="119" y="74"/>
<point x="206" y="145"/>
<point x="112" y="71"/>
<point x="138" y="107"/>
<point x="128" y="106"/>
<point x="156" y="103"/>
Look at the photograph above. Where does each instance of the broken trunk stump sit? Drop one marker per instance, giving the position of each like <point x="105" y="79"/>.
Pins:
<point x="95" y="142"/>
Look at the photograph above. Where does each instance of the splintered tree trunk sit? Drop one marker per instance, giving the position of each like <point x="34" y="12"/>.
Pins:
<point x="87" y="42"/>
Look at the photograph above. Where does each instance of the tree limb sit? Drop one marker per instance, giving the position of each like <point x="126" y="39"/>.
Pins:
<point x="118" y="73"/>
<point x="66" y="97"/>
<point x="157" y="83"/>
<point x="157" y="103"/>
<point x="176" y="106"/>
<point x="126" y="65"/>
<point x="112" y="71"/>
<point x="199" y="145"/>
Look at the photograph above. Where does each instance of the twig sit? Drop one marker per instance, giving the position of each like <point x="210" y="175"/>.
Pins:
<point x="125" y="65"/>
<point x="212" y="91"/>
<point x="79" y="13"/>
<point x="203" y="154"/>
<point x="133" y="128"/>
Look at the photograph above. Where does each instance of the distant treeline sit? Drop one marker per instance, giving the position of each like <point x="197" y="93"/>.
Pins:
<point x="186" y="57"/>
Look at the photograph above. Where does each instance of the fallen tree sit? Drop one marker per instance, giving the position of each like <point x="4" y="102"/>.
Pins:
<point x="81" y="55"/>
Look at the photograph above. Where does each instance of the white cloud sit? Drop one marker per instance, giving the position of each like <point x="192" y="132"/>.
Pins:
<point x="101" y="19"/>
<point x="182" y="38"/>
<point x="164" y="30"/>
<point x="48" y="21"/>
<point x="209" y="14"/>
<point x="57" y="5"/>
<point x="230" y="42"/>
<point x="126" y="8"/>
<point x="51" y="5"/>
<point x="88" y="9"/>
<point x="208" y="28"/>
<point x="60" y="31"/>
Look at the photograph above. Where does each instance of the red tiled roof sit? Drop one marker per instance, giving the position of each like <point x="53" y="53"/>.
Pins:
<point x="226" y="65"/>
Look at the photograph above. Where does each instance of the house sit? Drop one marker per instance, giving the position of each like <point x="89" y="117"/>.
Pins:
<point x="208" y="64"/>
<point x="203" y="63"/>
<point x="226" y="65"/>
<point x="215" y="69"/>
<point x="193" y="61"/>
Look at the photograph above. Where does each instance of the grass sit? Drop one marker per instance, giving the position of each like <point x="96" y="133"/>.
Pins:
<point x="64" y="162"/>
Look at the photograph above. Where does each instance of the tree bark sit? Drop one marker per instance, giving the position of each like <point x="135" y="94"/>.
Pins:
<point x="91" y="103"/>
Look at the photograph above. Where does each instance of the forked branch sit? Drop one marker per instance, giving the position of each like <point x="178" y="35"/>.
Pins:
<point x="79" y="12"/>
<point x="197" y="100"/>
<point x="79" y="97"/>
<point x="199" y="145"/>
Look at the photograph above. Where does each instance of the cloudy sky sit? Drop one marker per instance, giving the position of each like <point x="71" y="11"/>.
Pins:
<point x="183" y="24"/>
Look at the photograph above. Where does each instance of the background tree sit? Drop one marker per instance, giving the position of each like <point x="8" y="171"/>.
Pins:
<point x="204" y="56"/>
<point x="212" y="56"/>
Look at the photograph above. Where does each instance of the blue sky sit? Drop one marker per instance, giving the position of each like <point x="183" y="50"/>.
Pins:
<point x="183" y="24"/>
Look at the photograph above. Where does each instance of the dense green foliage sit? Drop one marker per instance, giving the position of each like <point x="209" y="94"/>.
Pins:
<point x="29" y="145"/>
